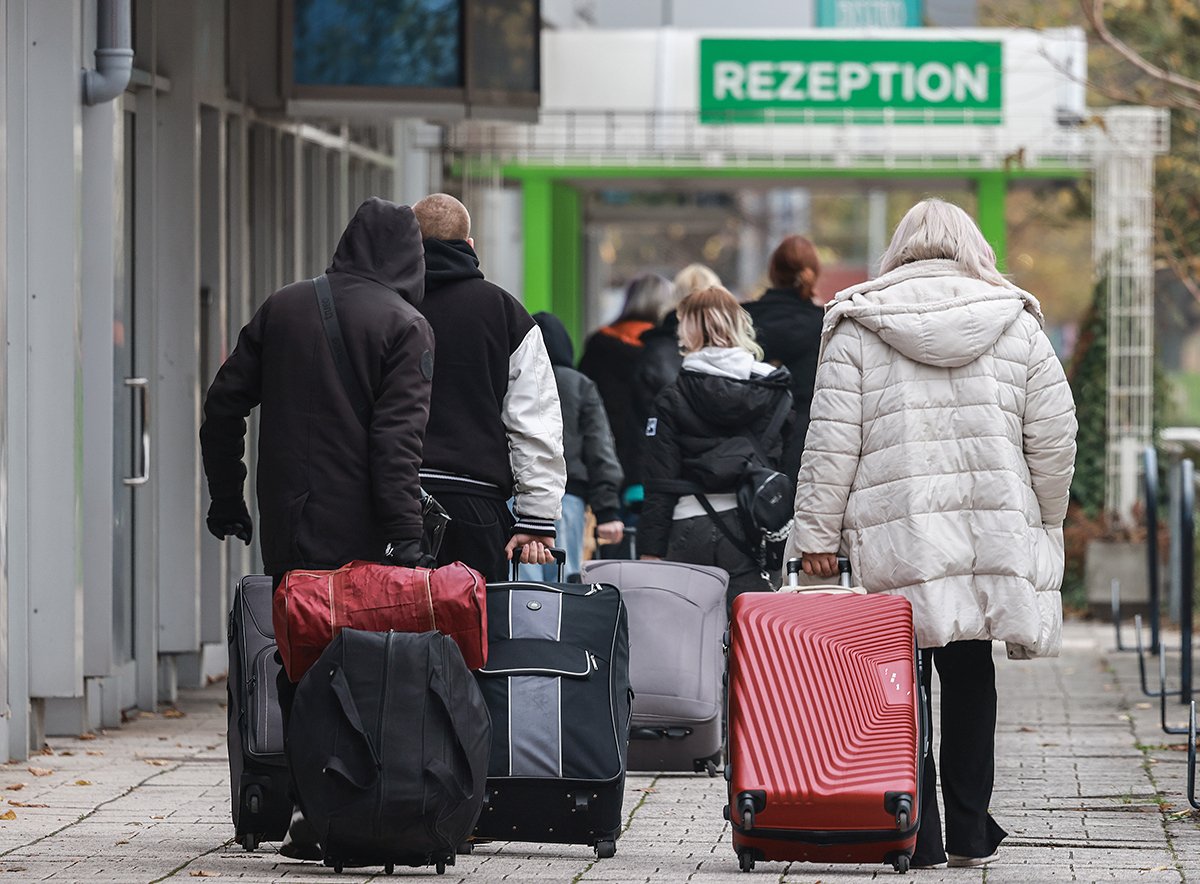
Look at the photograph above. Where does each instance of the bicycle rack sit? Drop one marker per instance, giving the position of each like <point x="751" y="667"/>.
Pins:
<point x="1116" y="614"/>
<point x="1187" y="541"/>
<point x="1150" y="491"/>
<point x="1191" y="774"/>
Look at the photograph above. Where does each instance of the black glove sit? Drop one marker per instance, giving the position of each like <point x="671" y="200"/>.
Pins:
<point x="228" y="515"/>
<point x="407" y="554"/>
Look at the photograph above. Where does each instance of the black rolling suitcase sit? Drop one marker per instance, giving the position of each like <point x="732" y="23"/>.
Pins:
<point x="258" y="773"/>
<point x="391" y="762"/>
<point x="557" y="686"/>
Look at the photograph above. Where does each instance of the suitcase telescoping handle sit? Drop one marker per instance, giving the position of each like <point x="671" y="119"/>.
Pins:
<point x="560" y="559"/>
<point x="844" y="582"/>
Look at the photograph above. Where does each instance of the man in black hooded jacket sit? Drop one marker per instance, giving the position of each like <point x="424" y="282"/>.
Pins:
<point x="334" y="485"/>
<point x="331" y="489"/>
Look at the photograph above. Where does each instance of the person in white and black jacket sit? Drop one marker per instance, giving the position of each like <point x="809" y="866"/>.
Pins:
<point x="495" y="424"/>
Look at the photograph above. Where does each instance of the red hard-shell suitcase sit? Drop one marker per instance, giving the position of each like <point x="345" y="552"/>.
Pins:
<point x="825" y="731"/>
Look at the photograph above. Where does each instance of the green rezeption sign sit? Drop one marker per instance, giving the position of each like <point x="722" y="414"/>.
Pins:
<point x="849" y="81"/>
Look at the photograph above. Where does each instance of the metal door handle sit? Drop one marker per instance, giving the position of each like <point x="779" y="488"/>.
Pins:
<point x="142" y="385"/>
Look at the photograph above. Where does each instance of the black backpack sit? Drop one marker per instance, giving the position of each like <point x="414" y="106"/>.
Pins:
<point x="764" y="495"/>
<point x="388" y="744"/>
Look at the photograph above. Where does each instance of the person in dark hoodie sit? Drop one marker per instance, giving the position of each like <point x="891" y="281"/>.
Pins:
<point x="722" y="392"/>
<point x="593" y="471"/>
<point x="787" y="323"/>
<point x="495" y="427"/>
<point x="334" y="484"/>
<point x="660" y="360"/>
<point x="610" y="356"/>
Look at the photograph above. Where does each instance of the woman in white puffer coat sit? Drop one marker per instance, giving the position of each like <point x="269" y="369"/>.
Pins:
<point x="939" y="458"/>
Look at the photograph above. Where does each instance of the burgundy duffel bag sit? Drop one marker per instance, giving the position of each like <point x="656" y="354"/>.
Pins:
<point x="311" y="607"/>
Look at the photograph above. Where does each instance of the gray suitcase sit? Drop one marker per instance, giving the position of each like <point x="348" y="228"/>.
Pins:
<point x="258" y="773"/>
<point x="677" y="619"/>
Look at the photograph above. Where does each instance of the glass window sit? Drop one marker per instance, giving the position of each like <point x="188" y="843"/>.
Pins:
<point x="398" y="43"/>
<point x="504" y="47"/>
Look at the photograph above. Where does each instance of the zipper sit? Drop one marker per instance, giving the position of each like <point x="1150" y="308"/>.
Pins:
<point x="387" y="659"/>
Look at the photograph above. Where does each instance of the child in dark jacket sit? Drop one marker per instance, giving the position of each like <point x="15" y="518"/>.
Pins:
<point x="594" y="474"/>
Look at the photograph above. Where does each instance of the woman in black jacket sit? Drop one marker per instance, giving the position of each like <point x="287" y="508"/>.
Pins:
<point x="722" y="392"/>
<point x="787" y="324"/>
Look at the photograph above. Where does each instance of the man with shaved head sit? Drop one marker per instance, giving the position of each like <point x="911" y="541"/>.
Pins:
<point x="495" y="424"/>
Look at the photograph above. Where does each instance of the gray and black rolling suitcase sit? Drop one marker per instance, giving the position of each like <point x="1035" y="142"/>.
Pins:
<point x="392" y="759"/>
<point x="676" y="660"/>
<point x="258" y="774"/>
<point x="557" y="686"/>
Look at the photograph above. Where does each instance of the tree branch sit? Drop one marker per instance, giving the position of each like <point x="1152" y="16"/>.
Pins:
<point x="1093" y="11"/>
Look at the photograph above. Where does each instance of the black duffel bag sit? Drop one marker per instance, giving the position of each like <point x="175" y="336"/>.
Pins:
<point x="388" y="744"/>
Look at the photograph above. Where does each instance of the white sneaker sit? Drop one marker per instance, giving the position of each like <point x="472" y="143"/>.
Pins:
<point x="955" y="861"/>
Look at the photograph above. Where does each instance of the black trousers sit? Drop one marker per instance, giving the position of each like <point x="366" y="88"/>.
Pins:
<point x="698" y="541"/>
<point x="967" y="756"/>
<point x="479" y="529"/>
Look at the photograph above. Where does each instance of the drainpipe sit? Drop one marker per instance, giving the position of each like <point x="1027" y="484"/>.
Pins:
<point x="114" y="53"/>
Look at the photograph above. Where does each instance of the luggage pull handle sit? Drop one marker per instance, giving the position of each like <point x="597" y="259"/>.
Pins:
<point x="843" y="586"/>
<point x="560" y="559"/>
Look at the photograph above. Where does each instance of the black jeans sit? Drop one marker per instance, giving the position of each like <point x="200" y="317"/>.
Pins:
<point x="968" y="709"/>
<point x="479" y="529"/>
<point x="698" y="541"/>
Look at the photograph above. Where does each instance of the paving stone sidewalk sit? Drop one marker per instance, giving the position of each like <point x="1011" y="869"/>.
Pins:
<point x="1087" y="785"/>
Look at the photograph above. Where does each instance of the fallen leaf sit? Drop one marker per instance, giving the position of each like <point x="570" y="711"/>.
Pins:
<point x="122" y="842"/>
<point x="94" y="752"/>
<point x="145" y="714"/>
<point x="83" y="782"/>
<point x="45" y="750"/>
<point x="157" y="762"/>
<point x="40" y="771"/>
<point x="8" y="815"/>
<point x="172" y="712"/>
<point x="67" y="752"/>
<point x="87" y="736"/>
<point x="1142" y="706"/>
<point x="25" y="804"/>
<point x="15" y="787"/>
<point x="1026" y="729"/>
<point x="200" y="873"/>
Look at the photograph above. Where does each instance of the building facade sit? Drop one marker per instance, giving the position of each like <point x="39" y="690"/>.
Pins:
<point x="137" y="235"/>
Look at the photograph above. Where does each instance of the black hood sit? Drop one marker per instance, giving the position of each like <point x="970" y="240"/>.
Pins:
<point x="448" y="260"/>
<point x="558" y="342"/>
<point x="382" y="243"/>
<point x="728" y="402"/>
<point x="668" y="328"/>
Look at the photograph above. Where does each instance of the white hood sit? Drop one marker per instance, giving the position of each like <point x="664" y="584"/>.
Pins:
<point x="726" y="362"/>
<point x="931" y="313"/>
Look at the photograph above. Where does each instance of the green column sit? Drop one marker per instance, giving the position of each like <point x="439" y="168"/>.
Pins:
<point x="991" y="191"/>
<point x="567" y="271"/>
<point x="537" y="221"/>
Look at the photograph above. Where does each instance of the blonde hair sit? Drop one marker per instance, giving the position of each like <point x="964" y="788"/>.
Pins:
<point x="441" y="216"/>
<point x="934" y="228"/>
<point x="712" y="317"/>
<point x="694" y="278"/>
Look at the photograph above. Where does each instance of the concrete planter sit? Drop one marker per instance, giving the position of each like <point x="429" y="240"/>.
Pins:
<point x="1109" y="560"/>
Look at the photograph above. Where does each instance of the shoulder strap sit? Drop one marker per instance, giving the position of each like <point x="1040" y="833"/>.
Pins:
<point x="337" y="346"/>
<point x="741" y="545"/>
<point x="776" y="425"/>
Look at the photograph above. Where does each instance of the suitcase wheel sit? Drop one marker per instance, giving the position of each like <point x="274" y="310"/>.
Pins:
<point x="389" y="869"/>
<point x="902" y="820"/>
<point x="466" y="848"/>
<point x="441" y="867"/>
<point x="746" y="860"/>
<point x="337" y="867"/>
<point x="711" y="767"/>
<point x="250" y="842"/>
<point x="901" y="863"/>
<point x="606" y="849"/>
